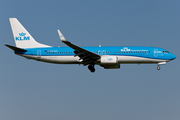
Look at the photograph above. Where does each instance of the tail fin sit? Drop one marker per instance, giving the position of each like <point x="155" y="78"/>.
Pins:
<point x="22" y="37"/>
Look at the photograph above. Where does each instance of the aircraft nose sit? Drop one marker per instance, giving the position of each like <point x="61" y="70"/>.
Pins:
<point x="173" y="56"/>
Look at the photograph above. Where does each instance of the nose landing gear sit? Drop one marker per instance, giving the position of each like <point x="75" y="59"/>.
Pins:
<point x="91" y="68"/>
<point x="158" y="68"/>
<point x="160" y="63"/>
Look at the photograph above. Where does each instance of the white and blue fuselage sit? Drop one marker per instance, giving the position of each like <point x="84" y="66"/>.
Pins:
<point x="107" y="57"/>
<point x="126" y="55"/>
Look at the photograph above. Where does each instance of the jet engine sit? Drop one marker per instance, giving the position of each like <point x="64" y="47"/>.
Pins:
<point x="116" y="66"/>
<point x="109" y="60"/>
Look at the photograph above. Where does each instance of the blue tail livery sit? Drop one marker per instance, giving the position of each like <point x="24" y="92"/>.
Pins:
<point x="106" y="57"/>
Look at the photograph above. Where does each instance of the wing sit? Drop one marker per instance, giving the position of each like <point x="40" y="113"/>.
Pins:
<point x="86" y="56"/>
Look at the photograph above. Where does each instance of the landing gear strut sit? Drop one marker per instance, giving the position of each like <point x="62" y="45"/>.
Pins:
<point x="160" y="63"/>
<point x="91" y="68"/>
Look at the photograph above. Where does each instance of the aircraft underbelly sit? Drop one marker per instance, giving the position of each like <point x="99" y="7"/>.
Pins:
<point x="75" y="60"/>
<point x="55" y="59"/>
<point x="134" y="59"/>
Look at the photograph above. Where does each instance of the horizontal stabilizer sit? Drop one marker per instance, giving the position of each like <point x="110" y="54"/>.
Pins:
<point x="16" y="48"/>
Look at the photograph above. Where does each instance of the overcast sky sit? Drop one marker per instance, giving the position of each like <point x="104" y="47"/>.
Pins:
<point x="31" y="90"/>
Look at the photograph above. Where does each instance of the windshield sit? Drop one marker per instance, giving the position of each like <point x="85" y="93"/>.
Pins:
<point x="165" y="51"/>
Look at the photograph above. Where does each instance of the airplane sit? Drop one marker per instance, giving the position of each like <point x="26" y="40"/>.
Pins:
<point x="107" y="57"/>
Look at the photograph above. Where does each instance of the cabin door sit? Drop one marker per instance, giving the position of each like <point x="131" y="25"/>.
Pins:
<point x="39" y="54"/>
<point x="155" y="52"/>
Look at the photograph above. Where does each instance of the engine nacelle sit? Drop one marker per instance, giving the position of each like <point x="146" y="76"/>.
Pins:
<point x="116" y="66"/>
<point x="105" y="60"/>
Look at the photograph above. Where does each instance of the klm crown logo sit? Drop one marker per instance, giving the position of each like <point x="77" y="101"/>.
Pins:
<point x="22" y="34"/>
<point x="110" y="59"/>
<point x="22" y="37"/>
<point x="125" y="49"/>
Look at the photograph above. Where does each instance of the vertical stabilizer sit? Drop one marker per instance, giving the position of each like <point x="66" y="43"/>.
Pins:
<point x="22" y="37"/>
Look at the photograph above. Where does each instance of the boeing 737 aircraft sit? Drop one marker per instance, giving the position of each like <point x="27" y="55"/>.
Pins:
<point x="106" y="57"/>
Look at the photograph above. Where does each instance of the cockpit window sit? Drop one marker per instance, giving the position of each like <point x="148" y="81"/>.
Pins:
<point x="165" y="51"/>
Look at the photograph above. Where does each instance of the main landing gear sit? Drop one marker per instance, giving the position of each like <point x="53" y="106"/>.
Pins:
<point x="91" y="68"/>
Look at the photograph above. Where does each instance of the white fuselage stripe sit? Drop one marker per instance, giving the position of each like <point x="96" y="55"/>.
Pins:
<point x="75" y="60"/>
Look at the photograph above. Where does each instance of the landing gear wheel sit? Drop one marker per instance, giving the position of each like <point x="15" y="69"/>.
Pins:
<point x="91" y="68"/>
<point x="158" y="68"/>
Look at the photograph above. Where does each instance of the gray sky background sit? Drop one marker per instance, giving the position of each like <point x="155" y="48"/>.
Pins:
<point x="31" y="90"/>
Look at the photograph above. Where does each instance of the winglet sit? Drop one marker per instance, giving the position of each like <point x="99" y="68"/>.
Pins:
<point x="61" y="36"/>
